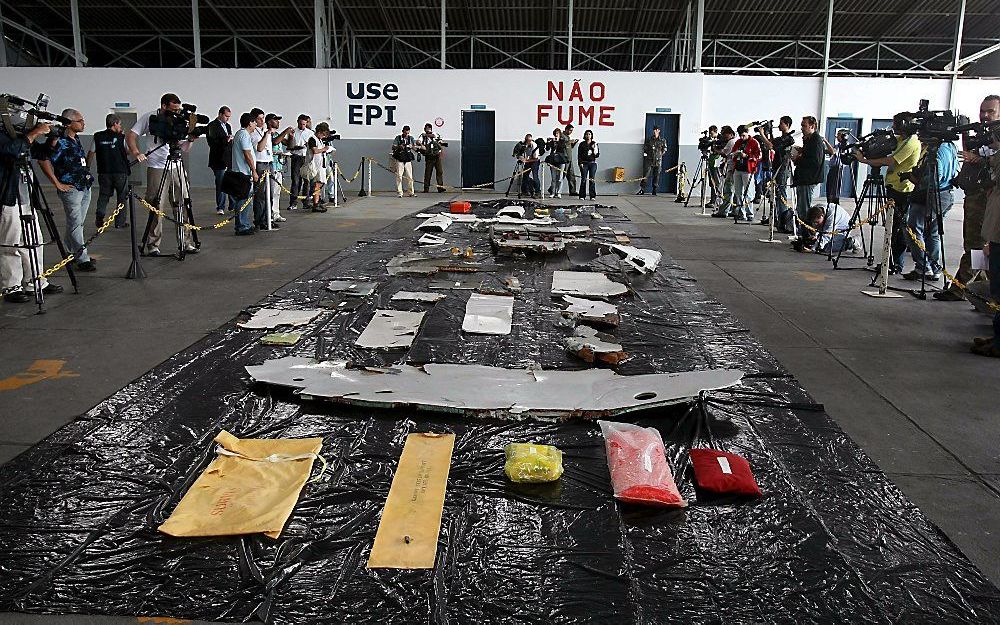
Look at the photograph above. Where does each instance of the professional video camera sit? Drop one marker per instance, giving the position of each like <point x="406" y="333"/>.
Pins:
<point x="876" y="144"/>
<point x="172" y="126"/>
<point x="983" y="134"/>
<point x="330" y="138"/>
<point x="20" y="115"/>
<point x="518" y="150"/>
<point x="766" y="126"/>
<point x="707" y="144"/>
<point x="782" y="143"/>
<point x="937" y="125"/>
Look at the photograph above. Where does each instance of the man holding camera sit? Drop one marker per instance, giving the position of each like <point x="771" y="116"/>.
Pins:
<point x="897" y="185"/>
<point x="829" y="235"/>
<point x="781" y="171"/>
<point x="556" y="146"/>
<point x="402" y="160"/>
<point x="263" y="138"/>
<point x="433" y="150"/>
<point x="112" y="168"/>
<point x="808" y="167"/>
<point x="923" y="218"/>
<point x="725" y="208"/>
<point x="66" y="166"/>
<point x="156" y="164"/>
<point x="745" y="159"/>
<point x="16" y="278"/>
<point x="990" y="233"/>
<point x="300" y="157"/>
<point x="317" y="150"/>
<point x="527" y="155"/>
<point x="220" y="136"/>
<point x="277" y="145"/>
<point x="652" y="161"/>
<point x="569" y="153"/>
<point x="970" y="180"/>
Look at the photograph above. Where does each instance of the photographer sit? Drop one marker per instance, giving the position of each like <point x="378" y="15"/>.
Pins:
<point x="219" y="137"/>
<point x="921" y="219"/>
<point x="763" y="175"/>
<point x="527" y="156"/>
<point x="156" y="164"/>
<point x="244" y="163"/>
<point x="830" y="223"/>
<point x="808" y="167"/>
<point x="316" y="168"/>
<point x="433" y="150"/>
<point x="66" y="166"/>
<point x="16" y="278"/>
<point x="970" y="179"/>
<point x="652" y="161"/>
<point x="745" y="158"/>
<point x="725" y="208"/>
<point x="569" y="153"/>
<point x="588" y="153"/>
<point x="781" y="170"/>
<point x="898" y="189"/>
<point x="402" y="160"/>
<point x="278" y="154"/>
<point x="557" y="159"/>
<point x="714" y="164"/>
<point x="990" y="233"/>
<point x="112" y="168"/>
<point x="263" y="139"/>
<point x="300" y="137"/>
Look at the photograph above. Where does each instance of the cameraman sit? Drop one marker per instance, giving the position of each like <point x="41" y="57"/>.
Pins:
<point x="569" y="153"/>
<point x="898" y="189"/>
<point x="402" y="160"/>
<point x="714" y="162"/>
<point x="66" y="166"/>
<point x="279" y="143"/>
<point x="830" y="223"/>
<point x="745" y="158"/>
<point x="300" y="157"/>
<point x="781" y="171"/>
<point x="990" y="233"/>
<point x="557" y="159"/>
<point x="527" y="156"/>
<point x="317" y="150"/>
<point x="652" y="161"/>
<point x="921" y="219"/>
<point x="156" y="163"/>
<point x="433" y="149"/>
<point x="970" y="180"/>
<point x="808" y="167"/>
<point x="112" y="168"/>
<point x="725" y="208"/>
<point x="16" y="279"/>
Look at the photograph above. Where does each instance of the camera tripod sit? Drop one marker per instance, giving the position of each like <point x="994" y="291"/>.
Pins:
<point x="175" y="175"/>
<point x="701" y="178"/>
<point x="520" y="171"/>
<point x="933" y="214"/>
<point x="30" y="215"/>
<point x="873" y="197"/>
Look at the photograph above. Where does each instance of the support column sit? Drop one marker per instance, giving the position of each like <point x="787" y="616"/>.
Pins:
<point x="699" y="36"/>
<point x="74" y="8"/>
<point x="569" y="47"/>
<point x="959" y="33"/>
<point x="196" y="30"/>
<point x="321" y="37"/>
<point x="444" y="27"/>
<point x="821" y="121"/>
<point x="3" y="42"/>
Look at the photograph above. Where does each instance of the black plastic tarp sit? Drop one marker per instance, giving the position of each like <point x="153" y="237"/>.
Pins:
<point x="831" y="540"/>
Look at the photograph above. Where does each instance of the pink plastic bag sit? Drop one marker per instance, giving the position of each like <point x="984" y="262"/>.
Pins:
<point x="638" y="463"/>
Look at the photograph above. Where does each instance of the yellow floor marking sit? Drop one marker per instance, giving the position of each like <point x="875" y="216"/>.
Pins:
<point x="259" y="263"/>
<point x="810" y="276"/>
<point x="38" y="371"/>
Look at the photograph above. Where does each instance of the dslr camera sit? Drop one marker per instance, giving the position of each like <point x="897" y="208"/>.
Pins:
<point x="172" y="126"/>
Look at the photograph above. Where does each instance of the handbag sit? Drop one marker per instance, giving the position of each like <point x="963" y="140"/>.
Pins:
<point x="236" y="184"/>
<point x="309" y="171"/>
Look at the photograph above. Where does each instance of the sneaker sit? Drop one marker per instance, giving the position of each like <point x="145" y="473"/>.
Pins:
<point x="281" y="219"/>
<point x="915" y="275"/>
<point x="274" y="226"/>
<point x="220" y="211"/>
<point x="87" y="266"/>
<point x="244" y="233"/>
<point x="191" y="250"/>
<point x="948" y="296"/>
<point x="321" y="209"/>
<point x="16" y="295"/>
<point x="50" y="288"/>
<point x="293" y="207"/>
<point x="399" y="195"/>
<point x="152" y="252"/>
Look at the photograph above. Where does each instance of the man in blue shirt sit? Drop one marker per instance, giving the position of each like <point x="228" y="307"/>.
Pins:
<point x="932" y="186"/>
<point x="244" y="162"/>
<point x="66" y="166"/>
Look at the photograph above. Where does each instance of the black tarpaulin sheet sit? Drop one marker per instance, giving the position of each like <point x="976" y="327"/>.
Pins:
<point x="831" y="540"/>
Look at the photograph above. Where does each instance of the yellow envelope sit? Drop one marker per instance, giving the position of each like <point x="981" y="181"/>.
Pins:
<point x="251" y="487"/>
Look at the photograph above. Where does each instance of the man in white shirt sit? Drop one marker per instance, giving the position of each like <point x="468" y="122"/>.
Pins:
<point x="264" y="155"/>
<point x="831" y="223"/>
<point x="300" y="137"/>
<point x="156" y="166"/>
<point x="319" y="151"/>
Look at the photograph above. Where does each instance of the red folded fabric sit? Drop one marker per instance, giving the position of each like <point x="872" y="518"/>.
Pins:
<point x="638" y="464"/>
<point x="723" y="473"/>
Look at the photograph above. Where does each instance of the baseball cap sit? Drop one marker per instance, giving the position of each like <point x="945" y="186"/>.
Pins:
<point x="271" y="116"/>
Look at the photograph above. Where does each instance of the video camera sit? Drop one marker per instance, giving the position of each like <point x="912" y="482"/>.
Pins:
<point x="172" y="126"/>
<point x="706" y="143"/>
<point x="984" y="134"/>
<point x="330" y="138"/>
<point x="937" y="125"/>
<point x="20" y="115"/>
<point x="766" y="125"/>
<point x="876" y="144"/>
<point x="782" y="143"/>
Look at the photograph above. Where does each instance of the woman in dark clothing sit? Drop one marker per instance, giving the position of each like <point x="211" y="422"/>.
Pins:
<point x="587" y="155"/>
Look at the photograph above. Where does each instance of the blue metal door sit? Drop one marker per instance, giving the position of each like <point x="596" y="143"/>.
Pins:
<point x="478" y="141"/>
<point x="669" y="125"/>
<point x="849" y="173"/>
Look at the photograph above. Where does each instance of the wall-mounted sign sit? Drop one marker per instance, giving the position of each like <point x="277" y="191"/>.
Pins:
<point x="661" y="109"/>
<point x="123" y="105"/>
<point x="375" y="109"/>
<point x="579" y="104"/>
<point x="478" y="107"/>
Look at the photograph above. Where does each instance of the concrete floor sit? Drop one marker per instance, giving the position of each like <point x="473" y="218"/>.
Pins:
<point x="895" y="374"/>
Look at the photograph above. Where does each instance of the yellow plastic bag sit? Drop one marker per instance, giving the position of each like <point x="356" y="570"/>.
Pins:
<point x="528" y="462"/>
<point x="250" y="487"/>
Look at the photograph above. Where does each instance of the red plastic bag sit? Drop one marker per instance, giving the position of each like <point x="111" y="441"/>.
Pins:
<point x="723" y="473"/>
<point x="638" y="463"/>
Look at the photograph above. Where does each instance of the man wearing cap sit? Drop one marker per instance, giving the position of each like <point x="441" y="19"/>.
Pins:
<point x="277" y="167"/>
<point x="300" y="137"/>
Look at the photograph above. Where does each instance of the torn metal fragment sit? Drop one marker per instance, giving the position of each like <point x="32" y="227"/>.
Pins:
<point x="591" y="345"/>
<point x="272" y="318"/>
<point x="640" y="259"/>
<point x="477" y="389"/>
<point x="585" y="284"/>
<point x="418" y="296"/>
<point x="431" y="239"/>
<point x="352" y="288"/>
<point x="437" y="223"/>
<point x="591" y="311"/>
<point x="391" y="329"/>
<point x="512" y="211"/>
<point x="488" y="314"/>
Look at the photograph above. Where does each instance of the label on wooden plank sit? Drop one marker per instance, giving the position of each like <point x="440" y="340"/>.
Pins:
<point x="411" y="520"/>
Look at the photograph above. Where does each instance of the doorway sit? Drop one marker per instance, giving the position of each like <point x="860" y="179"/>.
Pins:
<point x="478" y="148"/>
<point x="669" y="125"/>
<point x="849" y="174"/>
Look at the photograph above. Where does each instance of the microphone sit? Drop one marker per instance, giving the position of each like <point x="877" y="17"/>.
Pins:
<point x="51" y="117"/>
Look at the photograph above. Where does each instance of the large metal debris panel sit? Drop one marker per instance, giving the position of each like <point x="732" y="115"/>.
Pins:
<point x="832" y="540"/>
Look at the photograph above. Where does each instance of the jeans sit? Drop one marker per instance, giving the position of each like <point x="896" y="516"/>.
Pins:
<point x="112" y="184"/>
<point x="75" y="204"/>
<point x="555" y="187"/>
<point x="300" y="186"/>
<point x="898" y="238"/>
<point x="715" y="183"/>
<point x="994" y="260"/>
<point x="726" y="206"/>
<point x="588" y="171"/>
<point x="529" y="179"/>
<point x="741" y="185"/>
<point x="927" y="232"/>
<point x="220" y="197"/>
<point x="243" y="211"/>
<point x="804" y="196"/>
